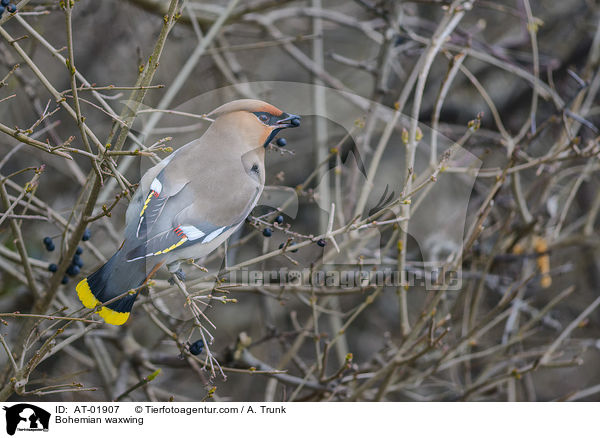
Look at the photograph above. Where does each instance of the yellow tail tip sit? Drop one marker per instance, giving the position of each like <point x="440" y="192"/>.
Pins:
<point x="88" y="299"/>
<point x="85" y="294"/>
<point x="113" y="317"/>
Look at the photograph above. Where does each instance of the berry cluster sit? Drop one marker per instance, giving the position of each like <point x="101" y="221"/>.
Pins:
<point x="76" y="263"/>
<point x="8" y="6"/>
<point x="268" y="232"/>
<point x="49" y="244"/>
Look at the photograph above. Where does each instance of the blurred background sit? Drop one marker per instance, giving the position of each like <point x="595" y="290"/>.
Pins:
<point x="502" y="187"/>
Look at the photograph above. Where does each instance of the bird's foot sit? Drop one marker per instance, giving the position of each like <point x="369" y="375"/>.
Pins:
<point x="179" y="274"/>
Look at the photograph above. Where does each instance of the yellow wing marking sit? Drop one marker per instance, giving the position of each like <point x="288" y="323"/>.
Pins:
<point x="172" y="247"/>
<point x="146" y="203"/>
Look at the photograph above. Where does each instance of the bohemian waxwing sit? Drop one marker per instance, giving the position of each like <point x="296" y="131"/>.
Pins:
<point x="189" y="203"/>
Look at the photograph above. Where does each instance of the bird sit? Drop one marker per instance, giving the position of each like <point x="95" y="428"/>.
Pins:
<point x="188" y="204"/>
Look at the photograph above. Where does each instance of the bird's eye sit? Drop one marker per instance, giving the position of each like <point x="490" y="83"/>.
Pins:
<point x="263" y="118"/>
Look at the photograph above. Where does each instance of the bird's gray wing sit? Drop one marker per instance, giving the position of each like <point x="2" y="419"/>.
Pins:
<point x="195" y="215"/>
<point x="162" y="188"/>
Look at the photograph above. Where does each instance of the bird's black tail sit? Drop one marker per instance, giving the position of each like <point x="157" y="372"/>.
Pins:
<point x="114" y="278"/>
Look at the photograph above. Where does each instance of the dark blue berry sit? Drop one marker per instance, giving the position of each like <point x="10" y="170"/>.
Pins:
<point x="279" y="219"/>
<point x="267" y="232"/>
<point x="47" y="241"/>
<point x="11" y="8"/>
<point x="196" y="347"/>
<point x="79" y="250"/>
<point x="1" y="10"/>
<point x="77" y="261"/>
<point x="295" y="122"/>
<point x="289" y="247"/>
<point x="50" y="247"/>
<point x="52" y="267"/>
<point x="4" y="2"/>
<point x="321" y="242"/>
<point x="86" y="235"/>
<point x="281" y="142"/>
<point x="65" y="280"/>
<point x="73" y="270"/>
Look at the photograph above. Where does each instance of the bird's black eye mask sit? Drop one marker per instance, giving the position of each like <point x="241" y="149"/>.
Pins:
<point x="283" y="121"/>
<point x="266" y="118"/>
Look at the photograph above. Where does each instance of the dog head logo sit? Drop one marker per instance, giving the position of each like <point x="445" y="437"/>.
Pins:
<point x="26" y="417"/>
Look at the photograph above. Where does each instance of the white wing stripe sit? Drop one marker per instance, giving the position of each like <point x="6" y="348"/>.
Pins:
<point x="156" y="185"/>
<point x="141" y="257"/>
<point x="213" y="235"/>
<point x="192" y="232"/>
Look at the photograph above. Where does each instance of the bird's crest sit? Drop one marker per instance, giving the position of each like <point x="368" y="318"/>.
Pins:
<point x="250" y="105"/>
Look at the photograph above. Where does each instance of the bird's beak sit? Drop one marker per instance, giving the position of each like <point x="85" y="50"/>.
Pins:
<point x="288" y="121"/>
